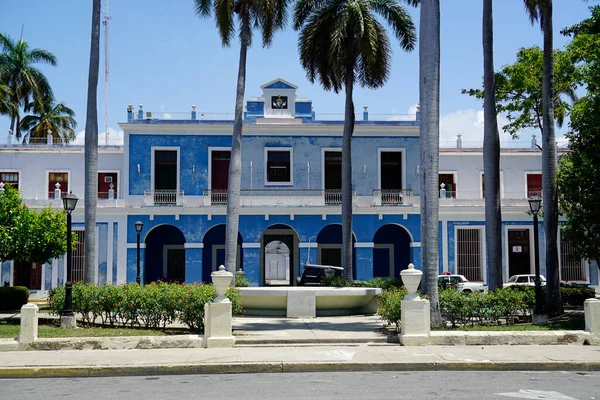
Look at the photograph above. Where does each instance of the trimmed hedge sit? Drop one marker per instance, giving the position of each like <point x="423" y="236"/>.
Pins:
<point x="152" y="306"/>
<point x="13" y="297"/>
<point x="575" y="296"/>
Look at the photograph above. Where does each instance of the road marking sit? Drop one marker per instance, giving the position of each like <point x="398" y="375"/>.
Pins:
<point x="536" y="394"/>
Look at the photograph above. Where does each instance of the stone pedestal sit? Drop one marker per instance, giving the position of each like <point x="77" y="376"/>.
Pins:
<point x="68" y="321"/>
<point x="415" y="323"/>
<point x="217" y="314"/>
<point x="591" y="308"/>
<point x="415" y="326"/>
<point x="29" y="323"/>
<point x="301" y="304"/>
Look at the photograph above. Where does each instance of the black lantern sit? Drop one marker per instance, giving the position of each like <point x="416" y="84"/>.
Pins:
<point x="69" y="203"/>
<point x="535" y="203"/>
<point x="139" y="225"/>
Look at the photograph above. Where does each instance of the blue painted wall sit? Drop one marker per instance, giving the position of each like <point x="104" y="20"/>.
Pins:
<point x="306" y="149"/>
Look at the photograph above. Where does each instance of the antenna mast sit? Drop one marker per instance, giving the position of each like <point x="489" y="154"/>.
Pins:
<point x="105" y="20"/>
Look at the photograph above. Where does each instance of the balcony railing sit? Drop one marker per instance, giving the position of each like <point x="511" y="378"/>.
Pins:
<point x="389" y="197"/>
<point x="163" y="197"/>
<point x="108" y="195"/>
<point x="278" y="197"/>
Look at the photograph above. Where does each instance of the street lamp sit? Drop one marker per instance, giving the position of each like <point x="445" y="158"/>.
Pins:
<point x="69" y="203"/>
<point x="138" y="228"/>
<point x="535" y="204"/>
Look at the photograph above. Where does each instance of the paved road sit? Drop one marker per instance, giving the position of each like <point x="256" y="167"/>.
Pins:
<point x="331" y="385"/>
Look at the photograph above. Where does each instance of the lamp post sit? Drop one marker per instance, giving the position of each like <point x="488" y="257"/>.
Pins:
<point x="535" y="204"/>
<point x="138" y="228"/>
<point x="69" y="203"/>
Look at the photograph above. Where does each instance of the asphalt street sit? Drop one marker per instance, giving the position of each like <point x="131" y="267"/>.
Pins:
<point x="328" y="385"/>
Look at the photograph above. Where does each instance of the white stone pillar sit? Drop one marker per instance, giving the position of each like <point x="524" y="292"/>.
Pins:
<point x="29" y="323"/>
<point x="217" y="314"/>
<point x="57" y="194"/>
<point x="415" y="323"/>
<point x="591" y="308"/>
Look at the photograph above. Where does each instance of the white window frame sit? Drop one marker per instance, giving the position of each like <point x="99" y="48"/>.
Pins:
<point x="391" y="150"/>
<point x="210" y="151"/>
<point x="216" y="247"/>
<point x="482" y="247"/>
<point x="13" y="171"/>
<point x="58" y="171"/>
<point x="586" y="270"/>
<point x="523" y="227"/>
<point x="117" y="187"/>
<point x="527" y="173"/>
<point x="323" y="150"/>
<point x="266" y="174"/>
<point x="501" y="184"/>
<point x="455" y="174"/>
<point x="153" y="151"/>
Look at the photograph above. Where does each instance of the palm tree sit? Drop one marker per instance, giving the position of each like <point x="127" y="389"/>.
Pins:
<point x="491" y="155"/>
<point x="541" y="10"/>
<point x="341" y="42"/>
<point x="429" y="94"/>
<point x="27" y="84"/>
<point x="267" y="16"/>
<point x="49" y="118"/>
<point x="91" y="148"/>
<point x="5" y="103"/>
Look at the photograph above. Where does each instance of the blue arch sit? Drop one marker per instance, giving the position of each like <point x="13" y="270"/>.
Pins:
<point x="155" y="240"/>
<point x="215" y="236"/>
<point x="400" y="239"/>
<point x="332" y="234"/>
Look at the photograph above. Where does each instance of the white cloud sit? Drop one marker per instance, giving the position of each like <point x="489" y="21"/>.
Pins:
<point x="409" y="116"/>
<point x="469" y="124"/>
<point x="115" y="138"/>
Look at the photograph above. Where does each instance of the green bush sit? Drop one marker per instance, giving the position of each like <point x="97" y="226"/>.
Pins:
<point x="155" y="305"/>
<point x="241" y="281"/>
<point x="13" y="297"/>
<point x="575" y="296"/>
<point x="389" y="305"/>
<point x="383" y="283"/>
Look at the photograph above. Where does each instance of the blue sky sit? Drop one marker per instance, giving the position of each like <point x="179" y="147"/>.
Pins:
<point x="164" y="56"/>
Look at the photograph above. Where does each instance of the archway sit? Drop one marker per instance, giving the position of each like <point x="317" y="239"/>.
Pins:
<point x="391" y="251"/>
<point x="329" y="247"/>
<point x="164" y="255"/>
<point x="279" y="256"/>
<point x="213" y="253"/>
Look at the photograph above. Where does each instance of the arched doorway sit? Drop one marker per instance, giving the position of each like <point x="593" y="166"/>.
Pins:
<point x="164" y="256"/>
<point x="329" y="247"/>
<point x="279" y="256"/>
<point x="213" y="253"/>
<point x="391" y="251"/>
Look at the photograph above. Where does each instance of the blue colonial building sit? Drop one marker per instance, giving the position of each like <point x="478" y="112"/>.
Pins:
<point x="172" y="175"/>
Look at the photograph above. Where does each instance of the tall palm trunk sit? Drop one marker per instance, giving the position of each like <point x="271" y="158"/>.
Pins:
<point x="235" y="164"/>
<point x="347" y="175"/>
<point x="491" y="155"/>
<point x="549" y="169"/>
<point x="429" y="93"/>
<point x="91" y="149"/>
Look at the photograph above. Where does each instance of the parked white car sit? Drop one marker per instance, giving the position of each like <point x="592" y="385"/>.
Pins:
<point x="461" y="283"/>
<point x="524" y="280"/>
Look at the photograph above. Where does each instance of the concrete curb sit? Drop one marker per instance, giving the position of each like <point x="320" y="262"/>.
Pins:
<point x="287" y="367"/>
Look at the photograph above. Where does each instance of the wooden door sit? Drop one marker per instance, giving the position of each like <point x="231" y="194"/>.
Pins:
<point x="219" y="176"/>
<point x="333" y="177"/>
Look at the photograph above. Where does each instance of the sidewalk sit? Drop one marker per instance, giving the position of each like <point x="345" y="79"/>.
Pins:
<point x="296" y="359"/>
<point x="294" y="345"/>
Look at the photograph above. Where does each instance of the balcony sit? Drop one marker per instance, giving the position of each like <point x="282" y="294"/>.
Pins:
<point x="278" y="197"/>
<point x="163" y="198"/>
<point x="389" y="197"/>
<point x="476" y="198"/>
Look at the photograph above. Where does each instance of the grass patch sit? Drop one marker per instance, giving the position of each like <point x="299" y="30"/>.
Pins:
<point x="53" y="330"/>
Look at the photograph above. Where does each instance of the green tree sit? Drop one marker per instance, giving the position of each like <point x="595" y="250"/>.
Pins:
<point x="51" y="118"/>
<point x="342" y="43"/>
<point x="267" y="16"/>
<point x="518" y="89"/>
<point x="429" y="95"/>
<point x="30" y="235"/>
<point x="27" y="84"/>
<point x="579" y="172"/>
<point x="91" y="148"/>
<point x="5" y="103"/>
<point x="491" y="155"/>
